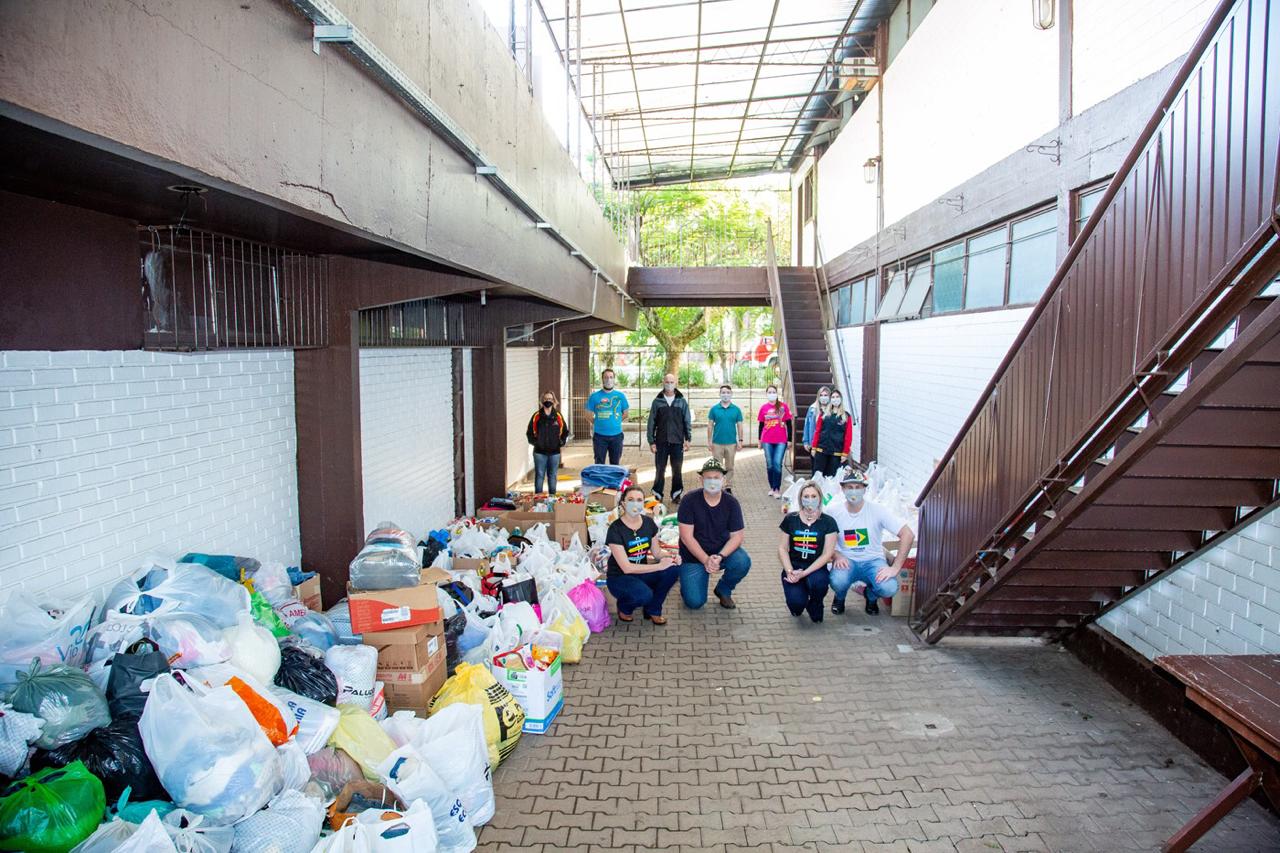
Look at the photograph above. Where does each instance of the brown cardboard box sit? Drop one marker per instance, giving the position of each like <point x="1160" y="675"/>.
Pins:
<point x="308" y="592"/>
<point x="524" y="520"/>
<point x="906" y="588"/>
<point x="385" y="609"/>
<point x="406" y="649"/>
<point x="471" y="564"/>
<point x="411" y="691"/>
<point x="564" y="531"/>
<point x="565" y="512"/>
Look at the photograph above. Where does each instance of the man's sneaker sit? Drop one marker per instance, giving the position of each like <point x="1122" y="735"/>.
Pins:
<point x="657" y="496"/>
<point x="837" y="605"/>
<point x="676" y="495"/>
<point x="873" y="609"/>
<point x="860" y="588"/>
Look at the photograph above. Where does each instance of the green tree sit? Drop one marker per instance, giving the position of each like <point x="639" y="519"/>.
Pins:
<point x="674" y="329"/>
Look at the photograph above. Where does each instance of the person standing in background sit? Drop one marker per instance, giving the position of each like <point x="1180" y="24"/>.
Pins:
<point x="724" y="432"/>
<point x="670" y="429"/>
<point x="547" y="432"/>
<point x="832" y="437"/>
<point x="606" y="409"/>
<point x="811" y="420"/>
<point x="775" y="434"/>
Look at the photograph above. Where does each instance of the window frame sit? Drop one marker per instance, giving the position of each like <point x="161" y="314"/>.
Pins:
<point x="1077" y="197"/>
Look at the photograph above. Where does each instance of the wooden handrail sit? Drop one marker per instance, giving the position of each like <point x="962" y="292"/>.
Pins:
<point x="779" y="319"/>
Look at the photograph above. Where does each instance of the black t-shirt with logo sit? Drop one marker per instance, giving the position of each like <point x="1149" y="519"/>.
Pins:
<point x="805" y="541"/>
<point x="635" y="542"/>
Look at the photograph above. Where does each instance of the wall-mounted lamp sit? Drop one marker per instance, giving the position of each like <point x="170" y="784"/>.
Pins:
<point x="871" y="169"/>
<point x="1043" y="13"/>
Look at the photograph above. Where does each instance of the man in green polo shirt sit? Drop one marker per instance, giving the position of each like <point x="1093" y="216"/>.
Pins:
<point x="724" y="431"/>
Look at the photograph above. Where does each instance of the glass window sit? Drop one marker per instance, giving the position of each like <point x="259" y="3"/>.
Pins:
<point x="858" y="302"/>
<point x="985" y="284"/>
<point x="1032" y="256"/>
<point x="948" y="278"/>
<point x="893" y="295"/>
<point x="1086" y="201"/>
<point x="842" y="306"/>
<point x="919" y="279"/>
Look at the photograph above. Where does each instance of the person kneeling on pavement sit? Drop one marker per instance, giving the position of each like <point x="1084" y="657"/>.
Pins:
<point x="859" y="549"/>
<point x="640" y="572"/>
<point x="711" y="533"/>
<point x="806" y="547"/>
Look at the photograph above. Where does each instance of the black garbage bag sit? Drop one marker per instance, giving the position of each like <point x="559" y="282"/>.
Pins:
<point x="129" y="669"/>
<point x="306" y="675"/>
<point x="453" y="628"/>
<point x="114" y="754"/>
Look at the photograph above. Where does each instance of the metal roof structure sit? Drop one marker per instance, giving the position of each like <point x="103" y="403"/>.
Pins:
<point x="686" y="90"/>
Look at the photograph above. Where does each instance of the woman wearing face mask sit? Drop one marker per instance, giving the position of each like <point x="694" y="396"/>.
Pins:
<point x="811" y="417"/>
<point x="775" y="435"/>
<point x="641" y="572"/>
<point x="547" y="432"/>
<point x="832" y="437"/>
<point x="806" y="547"/>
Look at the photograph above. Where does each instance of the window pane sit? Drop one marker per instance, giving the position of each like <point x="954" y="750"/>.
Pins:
<point x="948" y="278"/>
<point x="1032" y="257"/>
<point x="873" y="297"/>
<point x="985" y="286"/>
<point x="858" y="302"/>
<point x="893" y="296"/>
<point x="842" y="306"/>
<point x="1085" y="204"/>
<point x="918" y="282"/>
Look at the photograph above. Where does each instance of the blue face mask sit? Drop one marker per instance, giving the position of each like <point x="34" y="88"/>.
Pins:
<point x="713" y="485"/>
<point x="810" y="502"/>
<point x="635" y="507"/>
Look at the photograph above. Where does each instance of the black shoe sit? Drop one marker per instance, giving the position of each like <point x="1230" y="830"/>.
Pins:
<point x="676" y="495"/>
<point x="815" y="618"/>
<point x="796" y="612"/>
<point x="873" y="609"/>
<point x="837" y="606"/>
<point x="657" y="496"/>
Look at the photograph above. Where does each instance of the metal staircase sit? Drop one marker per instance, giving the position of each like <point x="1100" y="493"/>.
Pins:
<point x="1136" y="419"/>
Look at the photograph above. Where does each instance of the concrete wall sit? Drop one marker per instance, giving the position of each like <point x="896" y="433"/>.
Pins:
<point x="108" y="456"/>
<point x="406" y="437"/>
<point x="231" y="96"/>
<point x="521" y="399"/>
<point x="1117" y="44"/>
<point x="931" y="373"/>
<point x="1224" y="602"/>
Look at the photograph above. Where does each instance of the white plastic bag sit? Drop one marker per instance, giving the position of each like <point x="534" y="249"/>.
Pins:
<point x="208" y="751"/>
<point x="316" y="721"/>
<point x="410" y="777"/>
<point x="190" y="833"/>
<point x="17" y="731"/>
<point x="253" y="648"/>
<point x="413" y="831"/>
<point x="189" y="587"/>
<point x="452" y="741"/>
<point x="272" y="580"/>
<point x="293" y="766"/>
<point x="150" y="836"/>
<point x="290" y="823"/>
<point x="355" y="667"/>
<point x="46" y="629"/>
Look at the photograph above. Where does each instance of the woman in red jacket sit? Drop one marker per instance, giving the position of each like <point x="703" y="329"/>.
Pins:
<point x="832" y="437"/>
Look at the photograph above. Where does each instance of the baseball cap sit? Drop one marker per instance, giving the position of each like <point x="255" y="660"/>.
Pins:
<point x="712" y="464"/>
<point x="854" y="476"/>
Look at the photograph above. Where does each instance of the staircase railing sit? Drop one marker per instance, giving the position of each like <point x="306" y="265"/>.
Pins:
<point x="786" y="391"/>
<point x="1158" y="270"/>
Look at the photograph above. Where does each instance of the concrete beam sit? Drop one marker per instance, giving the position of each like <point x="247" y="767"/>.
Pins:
<point x="655" y="286"/>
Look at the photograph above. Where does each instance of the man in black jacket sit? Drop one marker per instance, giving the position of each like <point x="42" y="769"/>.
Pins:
<point x="547" y="432"/>
<point x="670" y="430"/>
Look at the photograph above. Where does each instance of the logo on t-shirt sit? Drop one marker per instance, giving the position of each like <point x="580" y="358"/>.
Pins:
<point x="805" y="542"/>
<point x="856" y="538"/>
<point x="637" y="548"/>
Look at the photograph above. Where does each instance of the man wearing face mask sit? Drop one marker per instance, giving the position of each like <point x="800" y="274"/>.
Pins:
<point x="641" y="571"/>
<point x="547" y="432"/>
<point x="859" y="548"/>
<point x="606" y="409"/>
<point x="724" y="432"/>
<point x="670" y="430"/>
<point x="711" y="533"/>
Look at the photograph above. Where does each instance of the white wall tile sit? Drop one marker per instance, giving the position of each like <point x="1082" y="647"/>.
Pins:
<point x="522" y="398"/>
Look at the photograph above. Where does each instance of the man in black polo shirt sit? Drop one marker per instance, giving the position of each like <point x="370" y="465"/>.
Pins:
<point x="711" y="532"/>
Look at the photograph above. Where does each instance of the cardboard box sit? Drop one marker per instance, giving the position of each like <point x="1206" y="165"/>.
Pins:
<point x="524" y="520"/>
<point x="471" y="564"/>
<point x="906" y="588"/>
<point x="405" y="607"/>
<point x="406" y="649"/>
<point x="308" y="592"/>
<point x="541" y="694"/>
<point x="570" y="513"/>
<point x="563" y="532"/>
<point x="412" y="691"/>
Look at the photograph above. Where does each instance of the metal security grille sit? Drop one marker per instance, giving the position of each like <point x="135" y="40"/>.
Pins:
<point x="206" y="291"/>
<point x="423" y="323"/>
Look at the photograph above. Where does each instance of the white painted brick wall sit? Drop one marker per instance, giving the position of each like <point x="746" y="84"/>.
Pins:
<point x="522" y="401"/>
<point x="1117" y="44"/>
<point x="1224" y="602"/>
<point x="406" y="437"/>
<point x="106" y="457"/>
<point x="931" y="373"/>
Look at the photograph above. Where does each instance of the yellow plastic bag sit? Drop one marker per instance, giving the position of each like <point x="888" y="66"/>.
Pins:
<point x="360" y="736"/>
<point x="503" y="716"/>
<point x="574" y="633"/>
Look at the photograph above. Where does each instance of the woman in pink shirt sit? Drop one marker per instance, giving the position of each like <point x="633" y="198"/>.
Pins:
<point x="775" y="435"/>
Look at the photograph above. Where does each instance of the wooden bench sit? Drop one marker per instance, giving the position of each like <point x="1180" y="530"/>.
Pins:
<point x="1243" y="693"/>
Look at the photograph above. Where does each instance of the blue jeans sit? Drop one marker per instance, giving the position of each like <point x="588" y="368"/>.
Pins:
<point x="773" y="454"/>
<point x="545" y="465"/>
<point x="865" y="571"/>
<point x="647" y="591"/>
<point x="808" y="594"/>
<point x="610" y="444"/>
<point x="693" y="578"/>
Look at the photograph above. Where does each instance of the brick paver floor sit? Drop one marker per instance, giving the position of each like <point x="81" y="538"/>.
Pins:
<point x="753" y="730"/>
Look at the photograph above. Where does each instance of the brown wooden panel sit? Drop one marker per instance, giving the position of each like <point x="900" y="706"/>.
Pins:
<point x="1153" y="518"/>
<point x="1228" y="427"/>
<point x="1075" y="577"/>
<point x="1098" y="560"/>
<point x="1172" y="491"/>
<point x="1101" y="595"/>
<point x="1209" y="462"/>
<point x="1037" y="607"/>
<point x="1123" y="540"/>
<point x="1254" y="386"/>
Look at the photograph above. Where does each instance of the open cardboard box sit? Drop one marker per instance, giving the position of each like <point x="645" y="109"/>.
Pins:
<point x="404" y="607"/>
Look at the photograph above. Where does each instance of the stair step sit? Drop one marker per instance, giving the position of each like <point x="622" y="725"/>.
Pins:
<point x="1152" y="518"/>
<point x="1072" y="540"/>
<point x="1185" y="491"/>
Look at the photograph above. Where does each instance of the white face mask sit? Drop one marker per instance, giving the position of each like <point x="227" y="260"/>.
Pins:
<point x="608" y="383"/>
<point x="725" y="396"/>
<point x="810" y="503"/>
<point x="772" y="396"/>
<point x="823" y="399"/>
<point x="635" y="507"/>
<point x="712" y="484"/>
<point x="669" y="387"/>
<point x="854" y="495"/>
<point x="836" y="401"/>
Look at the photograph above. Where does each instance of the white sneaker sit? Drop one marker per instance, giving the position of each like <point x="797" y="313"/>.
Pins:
<point x="860" y="588"/>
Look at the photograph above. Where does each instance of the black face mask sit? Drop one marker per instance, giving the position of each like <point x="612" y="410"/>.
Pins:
<point x="547" y="405"/>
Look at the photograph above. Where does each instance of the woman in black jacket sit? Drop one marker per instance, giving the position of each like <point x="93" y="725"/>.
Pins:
<point x="547" y="432"/>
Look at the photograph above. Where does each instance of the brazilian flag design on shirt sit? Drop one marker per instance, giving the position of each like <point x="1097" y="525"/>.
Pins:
<point x="856" y="538"/>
